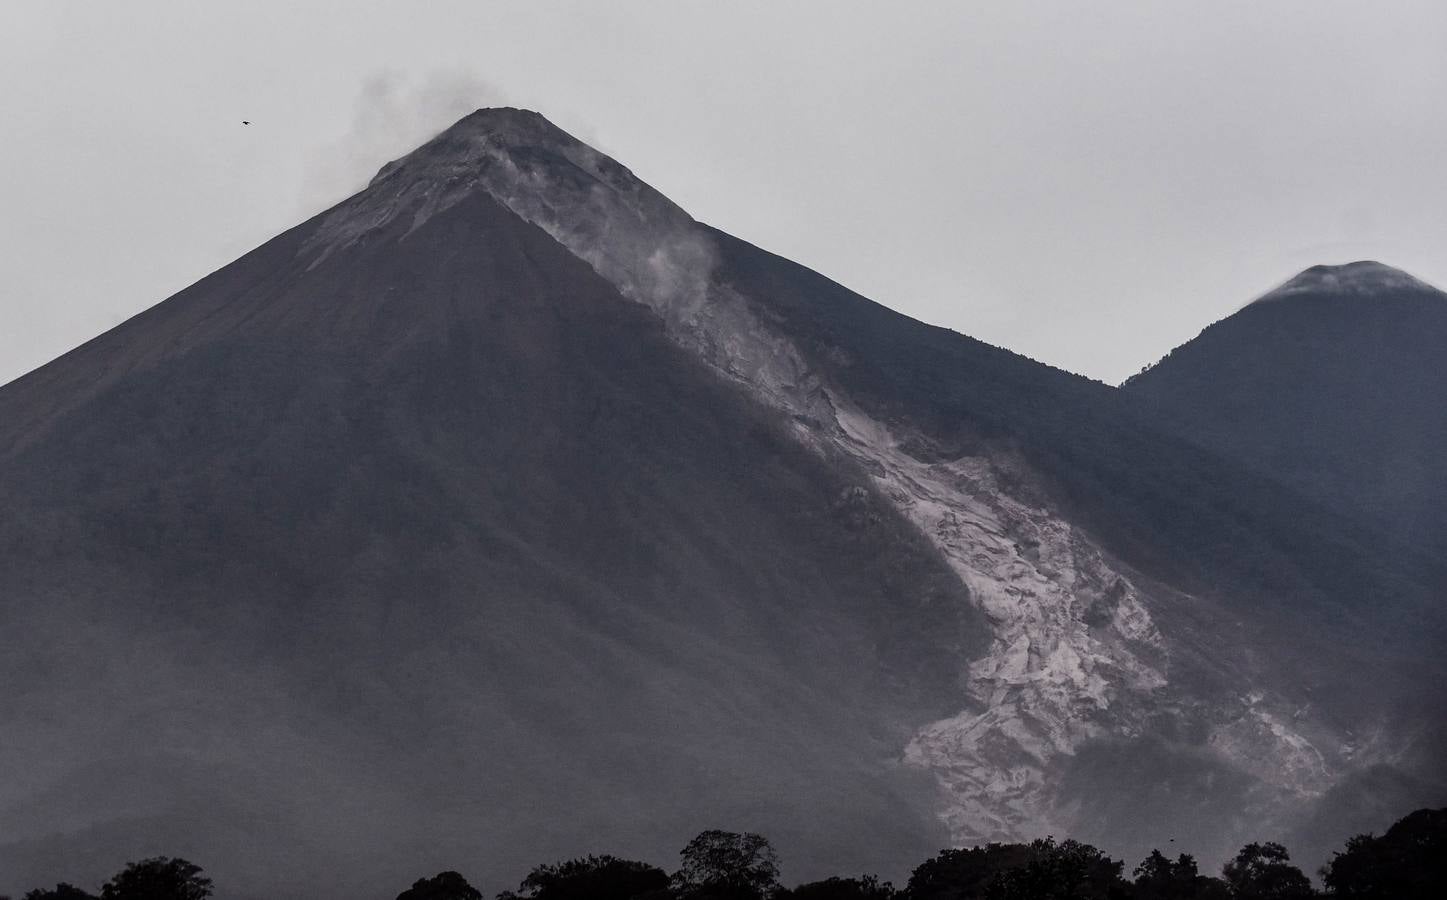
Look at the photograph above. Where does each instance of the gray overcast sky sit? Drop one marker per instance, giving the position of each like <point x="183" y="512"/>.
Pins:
<point x="1085" y="183"/>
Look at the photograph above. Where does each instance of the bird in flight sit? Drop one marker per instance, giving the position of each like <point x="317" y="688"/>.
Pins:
<point x="245" y="122"/>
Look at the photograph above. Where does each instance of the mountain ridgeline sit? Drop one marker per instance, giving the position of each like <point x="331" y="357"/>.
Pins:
<point x="503" y="506"/>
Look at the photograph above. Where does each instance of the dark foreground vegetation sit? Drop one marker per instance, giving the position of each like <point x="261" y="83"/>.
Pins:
<point x="1408" y="862"/>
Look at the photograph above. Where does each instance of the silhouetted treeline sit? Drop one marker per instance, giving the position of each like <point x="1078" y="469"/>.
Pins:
<point x="1408" y="862"/>
<point x="160" y="878"/>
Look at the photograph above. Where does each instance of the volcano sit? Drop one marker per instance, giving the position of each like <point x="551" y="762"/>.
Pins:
<point x="504" y="513"/>
<point x="1331" y="383"/>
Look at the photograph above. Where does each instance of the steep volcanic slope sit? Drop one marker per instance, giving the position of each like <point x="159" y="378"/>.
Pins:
<point x="505" y="512"/>
<point x="363" y="558"/>
<point x="1334" y="383"/>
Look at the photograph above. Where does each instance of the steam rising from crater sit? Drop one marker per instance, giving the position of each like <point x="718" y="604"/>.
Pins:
<point x="394" y="112"/>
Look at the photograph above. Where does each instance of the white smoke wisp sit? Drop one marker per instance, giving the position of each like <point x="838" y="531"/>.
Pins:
<point x="394" y="114"/>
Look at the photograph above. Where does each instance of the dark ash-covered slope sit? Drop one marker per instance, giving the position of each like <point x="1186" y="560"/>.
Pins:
<point x="351" y="562"/>
<point x="1187" y="515"/>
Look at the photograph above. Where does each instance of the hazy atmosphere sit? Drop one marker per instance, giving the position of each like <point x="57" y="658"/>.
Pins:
<point x="568" y="449"/>
<point x="1086" y="184"/>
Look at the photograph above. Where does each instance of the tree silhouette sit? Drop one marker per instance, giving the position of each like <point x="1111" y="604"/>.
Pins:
<point x="1264" y="872"/>
<point x="1160" y="878"/>
<point x="593" y="878"/>
<point x="865" y="887"/>
<point x="726" y="864"/>
<point x="442" y="886"/>
<point x="160" y="878"/>
<point x="961" y="874"/>
<point x="1040" y="870"/>
<point x="1409" y="862"/>
<point x="61" y="891"/>
<point x="1068" y="870"/>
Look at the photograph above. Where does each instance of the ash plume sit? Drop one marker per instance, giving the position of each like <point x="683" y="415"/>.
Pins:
<point x="394" y="112"/>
